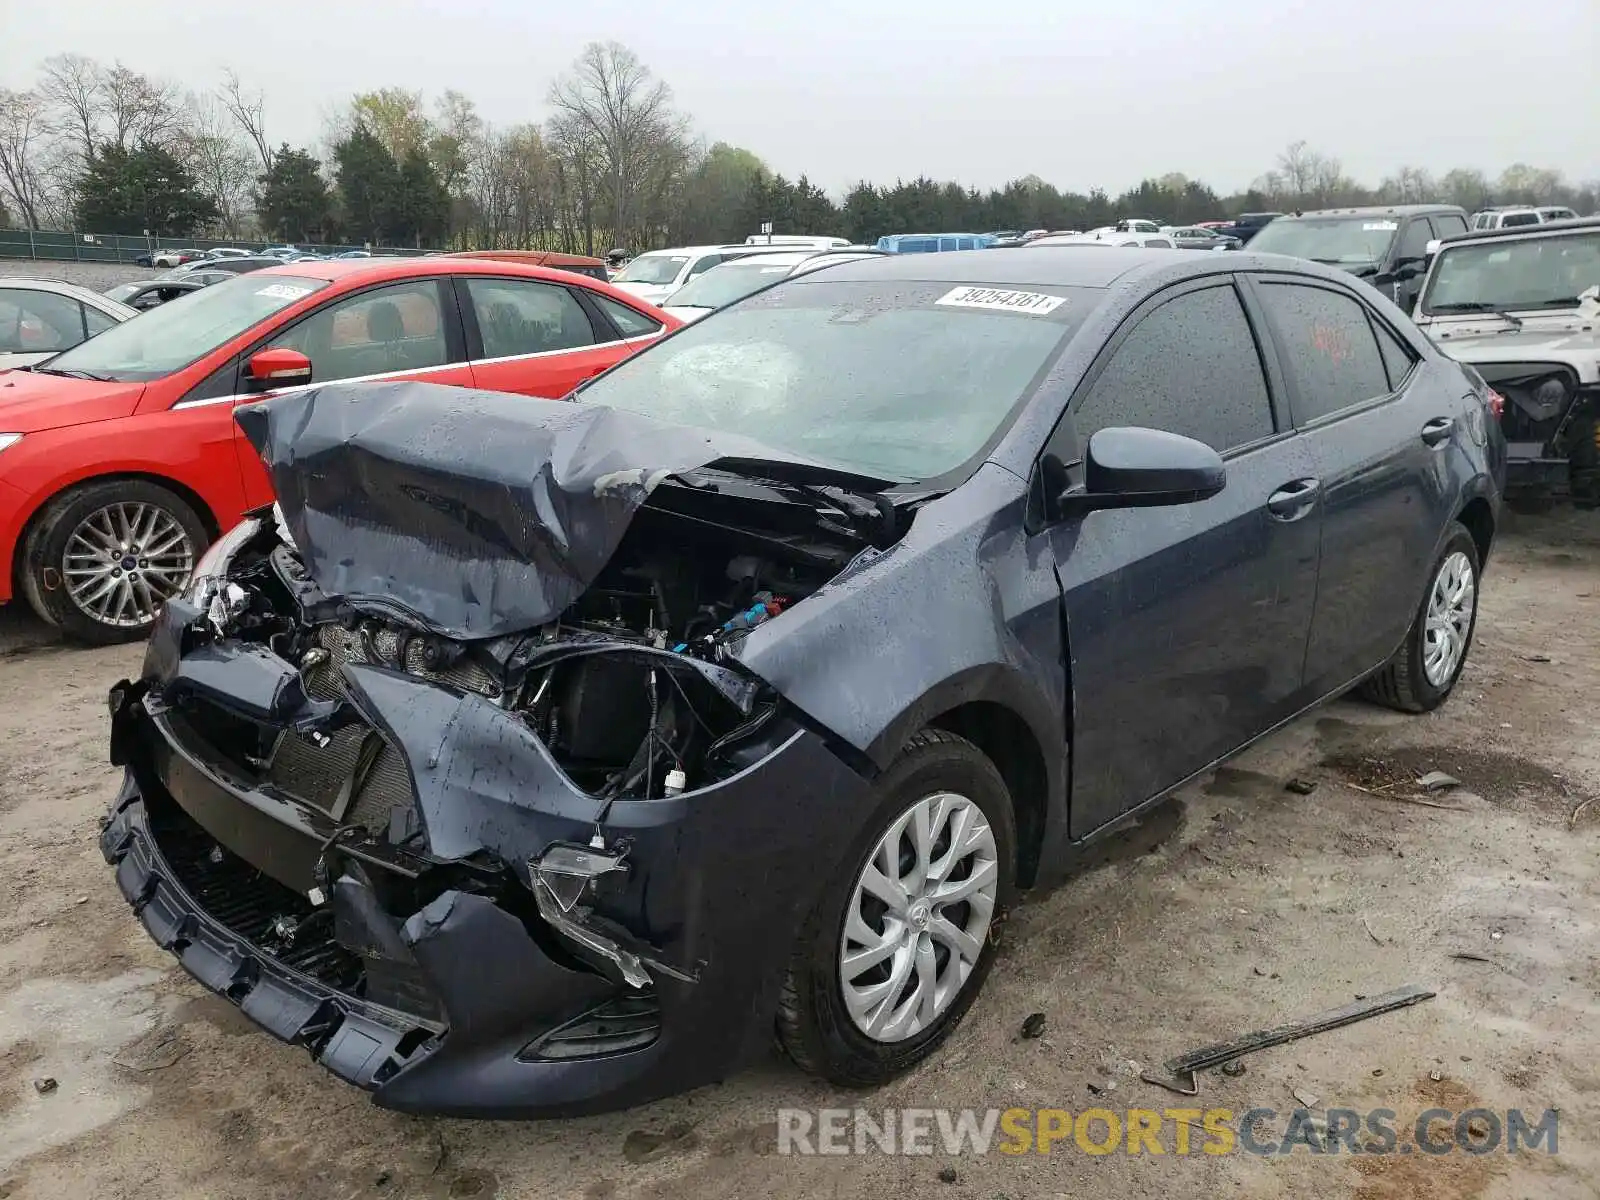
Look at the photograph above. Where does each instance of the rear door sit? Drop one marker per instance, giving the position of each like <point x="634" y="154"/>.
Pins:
<point x="535" y="337"/>
<point x="1186" y="625"/>
<point x="1377" y="434"/>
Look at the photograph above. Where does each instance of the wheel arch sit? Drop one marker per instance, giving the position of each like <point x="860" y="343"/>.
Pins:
<point x="1009" y="742"/>
<point x="24" y="544"/>
<point x="1478" y="517"/>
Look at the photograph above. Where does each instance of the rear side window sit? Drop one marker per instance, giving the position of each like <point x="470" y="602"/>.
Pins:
<point x="1189" y="367"/>
<point x="1448" y="225"/>
<point x="629" y="320"/>
<point x="1398" y="358"/>
<point x="1330" y="351"/>
<point x="1511" y="219"/>
<point x="520" y="316"/>
<point x="95" y="321"/>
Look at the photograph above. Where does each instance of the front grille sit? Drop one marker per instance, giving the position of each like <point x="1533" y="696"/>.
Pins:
<point x="619" y="1025"/>
<point x="257" y="908"/>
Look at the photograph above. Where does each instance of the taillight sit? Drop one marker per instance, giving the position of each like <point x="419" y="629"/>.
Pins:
<point x="1497" y="403"/>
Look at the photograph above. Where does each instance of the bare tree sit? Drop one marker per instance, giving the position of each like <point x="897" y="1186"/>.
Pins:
<point x="22" y="127"/>
<point x="69" y="85"/>
<point x="222" y="163"/>
<point x="248" y="109"/>
<point x="610" y="105"/>
<point x="140" y="110"/>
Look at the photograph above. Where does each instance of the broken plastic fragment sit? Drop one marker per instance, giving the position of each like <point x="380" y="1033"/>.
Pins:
<point x="560" y="876"/>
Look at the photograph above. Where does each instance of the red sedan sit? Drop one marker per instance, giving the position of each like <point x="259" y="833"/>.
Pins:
<point x="120" y="459"/>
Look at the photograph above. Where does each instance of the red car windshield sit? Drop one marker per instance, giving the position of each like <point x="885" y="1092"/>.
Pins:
<point x="169" y="338"/>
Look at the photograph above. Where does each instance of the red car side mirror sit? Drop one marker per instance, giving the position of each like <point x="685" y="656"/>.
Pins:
<point x="277" y="368"/>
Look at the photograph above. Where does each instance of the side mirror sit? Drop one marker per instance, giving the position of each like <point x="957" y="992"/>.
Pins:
<point x="269" y="369"/>
<point x="1430" y="250"/>
<point x="1130" y="467"/>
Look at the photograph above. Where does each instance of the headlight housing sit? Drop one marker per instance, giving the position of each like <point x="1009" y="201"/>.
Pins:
<point x="212" y="568"/>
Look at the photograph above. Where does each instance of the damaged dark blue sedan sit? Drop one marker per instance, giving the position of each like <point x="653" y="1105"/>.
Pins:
<point x="541" y="757"/>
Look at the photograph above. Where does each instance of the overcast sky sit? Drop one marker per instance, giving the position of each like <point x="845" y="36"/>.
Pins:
<point x="1082" y="94"/>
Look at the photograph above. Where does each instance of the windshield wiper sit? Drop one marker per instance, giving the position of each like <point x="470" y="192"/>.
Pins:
<point x="41" y="369"/>
<point x="1477" y="306"/>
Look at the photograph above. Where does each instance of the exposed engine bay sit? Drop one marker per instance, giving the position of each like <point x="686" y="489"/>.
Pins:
<point x="625" y="688"/>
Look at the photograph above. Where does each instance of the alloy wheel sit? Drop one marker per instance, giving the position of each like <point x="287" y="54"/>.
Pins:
<point x="1451" y="604"/>
<point x="124" y="561"/>
<point x="918" y="917"/>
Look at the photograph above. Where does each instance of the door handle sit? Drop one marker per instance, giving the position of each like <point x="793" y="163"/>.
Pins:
<point x="1437" y="432"/>
<point x="1293" y="500"/>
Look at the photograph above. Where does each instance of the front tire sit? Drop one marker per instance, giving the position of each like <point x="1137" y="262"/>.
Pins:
<point x="102" y="559"/>
<point x="902" y="939"/>
<point x="1423" y="672"/>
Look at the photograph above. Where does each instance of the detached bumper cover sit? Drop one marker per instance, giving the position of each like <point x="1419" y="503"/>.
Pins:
<point x="483" y="1012"/>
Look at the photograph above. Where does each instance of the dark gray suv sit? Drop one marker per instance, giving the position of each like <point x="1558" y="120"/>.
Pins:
<point x="1387" y="245"/>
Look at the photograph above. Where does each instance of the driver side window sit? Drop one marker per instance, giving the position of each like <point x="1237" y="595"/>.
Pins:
<point x="389" y="329"/>
<point x="1190" y="367"/>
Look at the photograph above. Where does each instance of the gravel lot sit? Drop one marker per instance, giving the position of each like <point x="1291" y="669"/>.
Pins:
<point x="98" y="276"/>
<point x="1236" y="905"/>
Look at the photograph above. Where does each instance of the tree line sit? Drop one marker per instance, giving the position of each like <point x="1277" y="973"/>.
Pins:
<point x="616" y="164"/>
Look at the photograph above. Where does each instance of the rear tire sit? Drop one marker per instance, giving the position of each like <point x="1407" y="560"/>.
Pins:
<point x="1423" y="672"/>
<point x="77" y="576"/>
<point x="861" y="1043"/>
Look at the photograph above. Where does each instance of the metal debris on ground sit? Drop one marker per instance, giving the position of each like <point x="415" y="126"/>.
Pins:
<point x="1538" y="658"/>
<point x="1101" y="1089"/>
<point x="1033" y="1025"/>
<point x="1365" y="925"/>
<point x="1572" y="821"/>
<point x="1438" y="781"/>
<point x="1496" y="934"/>
<point x="1301" y="787"/>
<point x="46" y="1085"/>
<point x="1234" y="1068"/>
<point x="1436" y="1076"/>
<point x="1179" y="1074"/>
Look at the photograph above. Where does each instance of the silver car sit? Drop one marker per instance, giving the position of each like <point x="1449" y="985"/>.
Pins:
<point x="43" y="317"/>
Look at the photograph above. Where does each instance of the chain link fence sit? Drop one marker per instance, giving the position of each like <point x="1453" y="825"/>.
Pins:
<point x="59" y="245"/>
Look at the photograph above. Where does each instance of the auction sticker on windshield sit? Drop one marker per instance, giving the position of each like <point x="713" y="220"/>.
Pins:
<point x="1380" y="227"/>
<point x="1036" y="303"/>
<point x="284" y="291"/>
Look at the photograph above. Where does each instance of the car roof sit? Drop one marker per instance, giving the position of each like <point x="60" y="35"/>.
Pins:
<point x="1022" y="266"/>
<point x="377" y="270"/>
<point x="539" y="258"/>
<point x="1504" y="233"/>
<point x="1376" y="210"/>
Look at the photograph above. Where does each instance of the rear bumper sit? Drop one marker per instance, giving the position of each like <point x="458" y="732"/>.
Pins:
<point x="464" y="1001"/>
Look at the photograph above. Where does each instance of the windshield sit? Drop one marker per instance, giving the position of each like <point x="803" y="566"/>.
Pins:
<point x="725" y="284"/>
<point x="169" y="338"/>
<point x="652" y="268"/>
<point x="1535" y="272"/>
<point x="1328" y="239"/>
<point x="893" y="379"/>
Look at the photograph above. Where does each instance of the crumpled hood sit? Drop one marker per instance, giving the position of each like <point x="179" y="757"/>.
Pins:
<point x="472" y="513"/>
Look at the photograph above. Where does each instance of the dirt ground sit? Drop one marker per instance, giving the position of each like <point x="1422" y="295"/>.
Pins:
<point x="1238" y="904"/>
<point x="98" y="276"/>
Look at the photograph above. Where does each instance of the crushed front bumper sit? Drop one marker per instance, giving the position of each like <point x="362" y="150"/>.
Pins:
<point x="473" y="1005"/>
